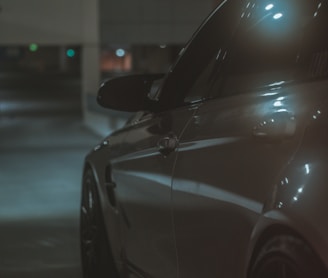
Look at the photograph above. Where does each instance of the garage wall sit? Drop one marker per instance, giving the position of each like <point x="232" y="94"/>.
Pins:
<point x="151" y="21"/>
<point x="125" y="21"/>
<point x="42" y="21"/>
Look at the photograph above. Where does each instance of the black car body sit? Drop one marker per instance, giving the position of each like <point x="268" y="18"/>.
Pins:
<point x="223" y="171"/>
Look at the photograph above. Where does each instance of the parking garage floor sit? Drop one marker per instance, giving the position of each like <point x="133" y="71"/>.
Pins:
<point x="42" y="146"/>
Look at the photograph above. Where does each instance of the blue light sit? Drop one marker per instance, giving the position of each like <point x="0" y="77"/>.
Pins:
<point x="120" y="52"/>
<point x="278" y="15"/>
<point x="269" y="7"/>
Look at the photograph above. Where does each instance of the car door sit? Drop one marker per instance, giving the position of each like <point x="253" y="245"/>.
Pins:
<point x="143" y="177"/>
<point x="235" y="146"/>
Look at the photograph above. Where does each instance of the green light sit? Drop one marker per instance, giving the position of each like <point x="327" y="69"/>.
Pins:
<point x="33" y="47"/>
<point x="70" y="53"/>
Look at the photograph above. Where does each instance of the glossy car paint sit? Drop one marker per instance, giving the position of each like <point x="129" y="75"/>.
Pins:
<point x="195" y="190"/>
<point x="298" y="196"/>
<point x="145" y="192"/>
<point x="225" y="172"/>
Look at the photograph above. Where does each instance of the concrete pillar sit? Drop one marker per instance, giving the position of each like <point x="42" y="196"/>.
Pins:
<point x="101" y="123"/>
<point x="62" y="59"/>
<point x="90" y="53"/>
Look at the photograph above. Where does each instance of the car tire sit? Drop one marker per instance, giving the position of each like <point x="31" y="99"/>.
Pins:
<point x="97" y="261"/>
<point x="286" y="256"/>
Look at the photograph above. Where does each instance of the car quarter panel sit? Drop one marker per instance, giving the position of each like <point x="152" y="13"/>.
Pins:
<point x="225" y="172"/>
<point x="298" y="199"/>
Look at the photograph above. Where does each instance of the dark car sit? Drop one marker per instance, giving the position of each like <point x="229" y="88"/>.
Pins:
<point x="223" y="172"/>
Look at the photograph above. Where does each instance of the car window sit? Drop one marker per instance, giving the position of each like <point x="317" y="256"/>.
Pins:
<point x="277" y="42"/>
<point x="187" y="82"/>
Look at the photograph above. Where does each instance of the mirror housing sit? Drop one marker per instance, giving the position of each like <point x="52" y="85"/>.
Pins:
<point x="127" y="93"/>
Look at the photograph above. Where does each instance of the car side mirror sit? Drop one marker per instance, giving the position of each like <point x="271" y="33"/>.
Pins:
<point x="127" y="93"/>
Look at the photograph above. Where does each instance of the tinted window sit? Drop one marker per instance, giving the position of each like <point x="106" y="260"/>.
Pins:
<point x="277" y="42"/>
<point x="188" y="80"/>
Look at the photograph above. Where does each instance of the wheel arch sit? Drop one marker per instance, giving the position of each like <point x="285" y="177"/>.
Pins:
<point x="97" y="175"/>
<point x="275" y="230"/>
<point x="88" y="165"/>
<point x="110" y="214"/>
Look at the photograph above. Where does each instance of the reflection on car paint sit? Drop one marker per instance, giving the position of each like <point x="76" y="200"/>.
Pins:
<point x="218" y="194"/>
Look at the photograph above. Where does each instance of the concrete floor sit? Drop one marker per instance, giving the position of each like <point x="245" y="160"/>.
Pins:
<point x="42" y="146"/>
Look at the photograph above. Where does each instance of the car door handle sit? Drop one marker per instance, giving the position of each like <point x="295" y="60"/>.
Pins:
<point x="277" y="127"/>
<point x="167" y="144"/>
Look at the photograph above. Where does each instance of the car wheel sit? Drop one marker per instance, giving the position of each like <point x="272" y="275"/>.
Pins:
<point x="286" y="256"/>
<point x="95" y="251"/>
